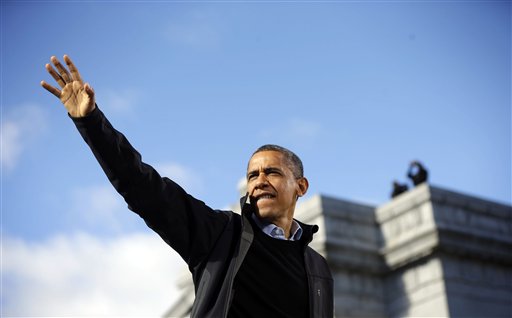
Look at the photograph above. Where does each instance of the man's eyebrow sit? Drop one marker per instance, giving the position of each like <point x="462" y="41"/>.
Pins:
<point x="266" y="170"/>
<point x="251" y="172"/>
<point x="272" y="169"/>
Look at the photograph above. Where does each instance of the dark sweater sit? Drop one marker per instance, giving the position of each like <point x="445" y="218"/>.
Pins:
<point x="276" y="267"/>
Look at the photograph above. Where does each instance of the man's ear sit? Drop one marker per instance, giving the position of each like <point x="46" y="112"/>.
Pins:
<point x="303" y="185"/>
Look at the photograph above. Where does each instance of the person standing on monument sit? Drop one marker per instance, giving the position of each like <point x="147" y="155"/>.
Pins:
<point x="417" y="173"/>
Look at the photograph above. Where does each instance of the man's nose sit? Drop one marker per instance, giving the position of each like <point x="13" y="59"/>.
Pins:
<point x="261" y="181"/>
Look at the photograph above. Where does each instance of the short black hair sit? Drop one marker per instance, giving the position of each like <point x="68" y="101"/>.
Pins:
<point x="292" y="159"/>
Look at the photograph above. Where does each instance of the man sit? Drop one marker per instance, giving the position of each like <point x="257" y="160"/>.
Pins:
<point x="256" y="264"/>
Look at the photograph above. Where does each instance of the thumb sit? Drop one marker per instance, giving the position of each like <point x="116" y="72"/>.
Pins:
<point x="90" y="93"/>
<point x="89" y="90"/>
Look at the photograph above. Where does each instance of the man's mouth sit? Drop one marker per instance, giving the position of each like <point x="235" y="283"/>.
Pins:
<point x="264" y="196"/>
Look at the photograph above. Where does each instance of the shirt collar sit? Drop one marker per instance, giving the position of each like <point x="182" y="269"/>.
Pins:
<point x="277" y="232"/>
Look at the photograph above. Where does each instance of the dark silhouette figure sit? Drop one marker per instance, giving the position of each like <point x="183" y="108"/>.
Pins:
<point x="398" y="188"/>
<point x="417" y="173"/>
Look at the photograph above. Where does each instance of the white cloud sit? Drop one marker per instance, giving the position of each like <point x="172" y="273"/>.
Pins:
<point x="185" y="177"/>
<point x="11" y="144"/>
<point x="80" y="275"/>
<point x="21" y="126"/>
<point x="99" y="205"/>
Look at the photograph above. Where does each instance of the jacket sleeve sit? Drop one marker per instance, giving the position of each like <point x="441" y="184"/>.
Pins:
<point x="188" y="225"/>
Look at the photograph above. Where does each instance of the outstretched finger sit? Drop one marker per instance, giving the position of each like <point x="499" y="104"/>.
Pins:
<point x="56" y="76"/>
<point x="51" y="89"/>
<point x="75" y="75"/>
<point x="62" y="70"/>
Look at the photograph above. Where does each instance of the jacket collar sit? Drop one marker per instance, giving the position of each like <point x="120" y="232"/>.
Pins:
<point x="308" y="230"/>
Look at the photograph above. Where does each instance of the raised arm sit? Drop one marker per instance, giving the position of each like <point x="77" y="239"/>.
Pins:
<point x="77" y="96"/>
<point x="185" y="223"/>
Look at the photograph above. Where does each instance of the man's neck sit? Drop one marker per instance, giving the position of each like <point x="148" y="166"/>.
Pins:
<point x="273" y="229"/>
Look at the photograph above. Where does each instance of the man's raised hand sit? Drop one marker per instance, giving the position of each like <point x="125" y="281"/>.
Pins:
<point x="77" y="97"/>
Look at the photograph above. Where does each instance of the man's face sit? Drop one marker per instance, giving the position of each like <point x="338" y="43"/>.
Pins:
<point x="272" y="187"/>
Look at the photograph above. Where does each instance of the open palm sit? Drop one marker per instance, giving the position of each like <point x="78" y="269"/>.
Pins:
<point x="77" y="97"/>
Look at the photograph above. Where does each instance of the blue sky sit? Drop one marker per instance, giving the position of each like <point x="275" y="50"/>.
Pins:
<point x="357" y="89"/>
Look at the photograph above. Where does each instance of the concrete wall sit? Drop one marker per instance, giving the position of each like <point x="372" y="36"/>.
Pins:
<point x="477" y="288"/>
<point x="417" y="290"/>
<point x="448" y="254"/>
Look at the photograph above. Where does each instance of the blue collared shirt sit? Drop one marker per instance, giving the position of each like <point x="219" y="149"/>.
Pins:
<point x="276" y="232"/>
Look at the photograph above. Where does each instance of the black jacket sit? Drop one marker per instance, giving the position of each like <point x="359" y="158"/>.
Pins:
<point x="213" y="243"/>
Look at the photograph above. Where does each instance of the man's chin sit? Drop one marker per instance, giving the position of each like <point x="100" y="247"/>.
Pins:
<point x="260" y="213"/>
